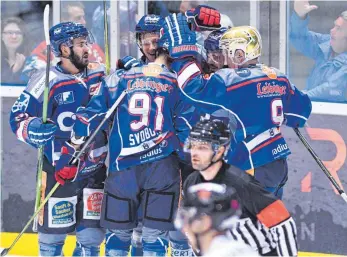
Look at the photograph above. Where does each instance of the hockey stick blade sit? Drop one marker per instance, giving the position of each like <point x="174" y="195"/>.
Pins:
<point x="4" y="252"/>
<point x="320" y="164"/>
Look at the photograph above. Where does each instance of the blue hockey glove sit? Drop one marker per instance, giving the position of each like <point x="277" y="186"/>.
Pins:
<point x="181" y="41"/>
<point x="127" y="63"/>
<point x="40" y="133"/>
<point x="203" y="18"/>
<point x="80" y="128"/>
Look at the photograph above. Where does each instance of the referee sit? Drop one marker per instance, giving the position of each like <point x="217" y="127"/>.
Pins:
<point x="265" y="224"/>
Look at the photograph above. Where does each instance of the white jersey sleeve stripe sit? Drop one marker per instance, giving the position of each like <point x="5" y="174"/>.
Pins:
<point x="187" y="73"/>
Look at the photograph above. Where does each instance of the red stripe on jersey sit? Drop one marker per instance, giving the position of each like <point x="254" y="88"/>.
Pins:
<point x="69" y="82"/>
<point x="273" y="214"/>
<point x="139" y="75"/>
<point x="172" y="80"/>
<point x="266" y="143"/>
<point x="248" y="82"/>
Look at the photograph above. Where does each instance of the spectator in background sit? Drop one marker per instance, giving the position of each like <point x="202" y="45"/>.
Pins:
<point x="13" y="50"/>
<point x="70" y="11"/>
<point x="328" y="78"/>
<point x="73" y="11"/>
<point x="127" y="19"/>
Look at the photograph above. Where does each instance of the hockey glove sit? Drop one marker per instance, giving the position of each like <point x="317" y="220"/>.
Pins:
<point x="81" y="127"/>
<point x="203" y="18"/>
<point x="127" y="62"/>
<point x="64" y="170"/>
<point x="40" y="133"/>
<point x="181" y="41"/>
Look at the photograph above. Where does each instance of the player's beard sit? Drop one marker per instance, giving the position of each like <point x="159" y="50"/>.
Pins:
<point x="80" y="62"/>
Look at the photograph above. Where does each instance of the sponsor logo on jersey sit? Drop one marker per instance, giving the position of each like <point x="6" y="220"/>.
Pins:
<point x="151" y="153"/>
<point x="62" y="212"/>
<point x="65" y="98"/>
<point x="148" y="85"/>
<point x="269" y="89"/>
<point x="243" y="72"/>
<point x="39" y="87"/>
<point x="152" y="70"/>
<point x="92" y="199"/>
<point x="94" y="89"/>
<point x="280" y="148"/>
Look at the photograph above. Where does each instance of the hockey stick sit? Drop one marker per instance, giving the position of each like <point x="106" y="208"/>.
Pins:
<point x="107" y="56"/>
<point x="320" y="163"/>
<point x="73" y="161"/>
<point x="107" y="115"/>
<point x="44" y="114"/>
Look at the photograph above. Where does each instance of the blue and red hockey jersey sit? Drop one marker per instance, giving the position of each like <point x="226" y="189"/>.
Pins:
<point x="147" y="123"/>
<point x="259" y="98"/>
<point x="67" y="93"/>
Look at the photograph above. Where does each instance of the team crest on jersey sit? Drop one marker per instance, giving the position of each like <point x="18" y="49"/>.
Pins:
<point x="65" y="98"/>
<point x="94" y="89"/>
<point x="271" y="73"/>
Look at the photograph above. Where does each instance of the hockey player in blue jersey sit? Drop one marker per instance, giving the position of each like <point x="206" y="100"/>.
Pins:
<point x="147" y="36"/>
<point x="75" y="206"/>
<point x="143" y="164"/>
<point x="215" y="58"/>
<point x="259" y="97"/>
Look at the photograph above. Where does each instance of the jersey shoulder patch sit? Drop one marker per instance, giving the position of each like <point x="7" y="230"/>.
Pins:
<point x="96" y="67"/>
<point x="37" y="82"/>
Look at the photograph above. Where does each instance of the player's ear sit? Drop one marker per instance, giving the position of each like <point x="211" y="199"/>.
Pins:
<point x="65" y="51"/>
<point x="219" y="153"/>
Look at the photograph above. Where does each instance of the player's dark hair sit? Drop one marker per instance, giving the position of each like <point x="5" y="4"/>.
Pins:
<point x="164" y="52"/>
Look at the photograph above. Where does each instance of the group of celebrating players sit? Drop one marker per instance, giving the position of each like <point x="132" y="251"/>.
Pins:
<point x="208" y="117"/>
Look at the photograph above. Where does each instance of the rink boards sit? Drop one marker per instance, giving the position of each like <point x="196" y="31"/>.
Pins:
<point x="318" y="211"/>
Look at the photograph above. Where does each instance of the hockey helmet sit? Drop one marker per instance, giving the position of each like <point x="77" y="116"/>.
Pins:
<point x="245" y="38"/>
<point x="65" y="32"/>
<point x="213" y="131"/>
<point x="217" y="201"/>
<point x="212" y="41"/>
<point x="147" y="24"/>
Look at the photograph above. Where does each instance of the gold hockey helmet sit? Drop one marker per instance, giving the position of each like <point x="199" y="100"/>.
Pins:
<point x="245" y="38"/>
